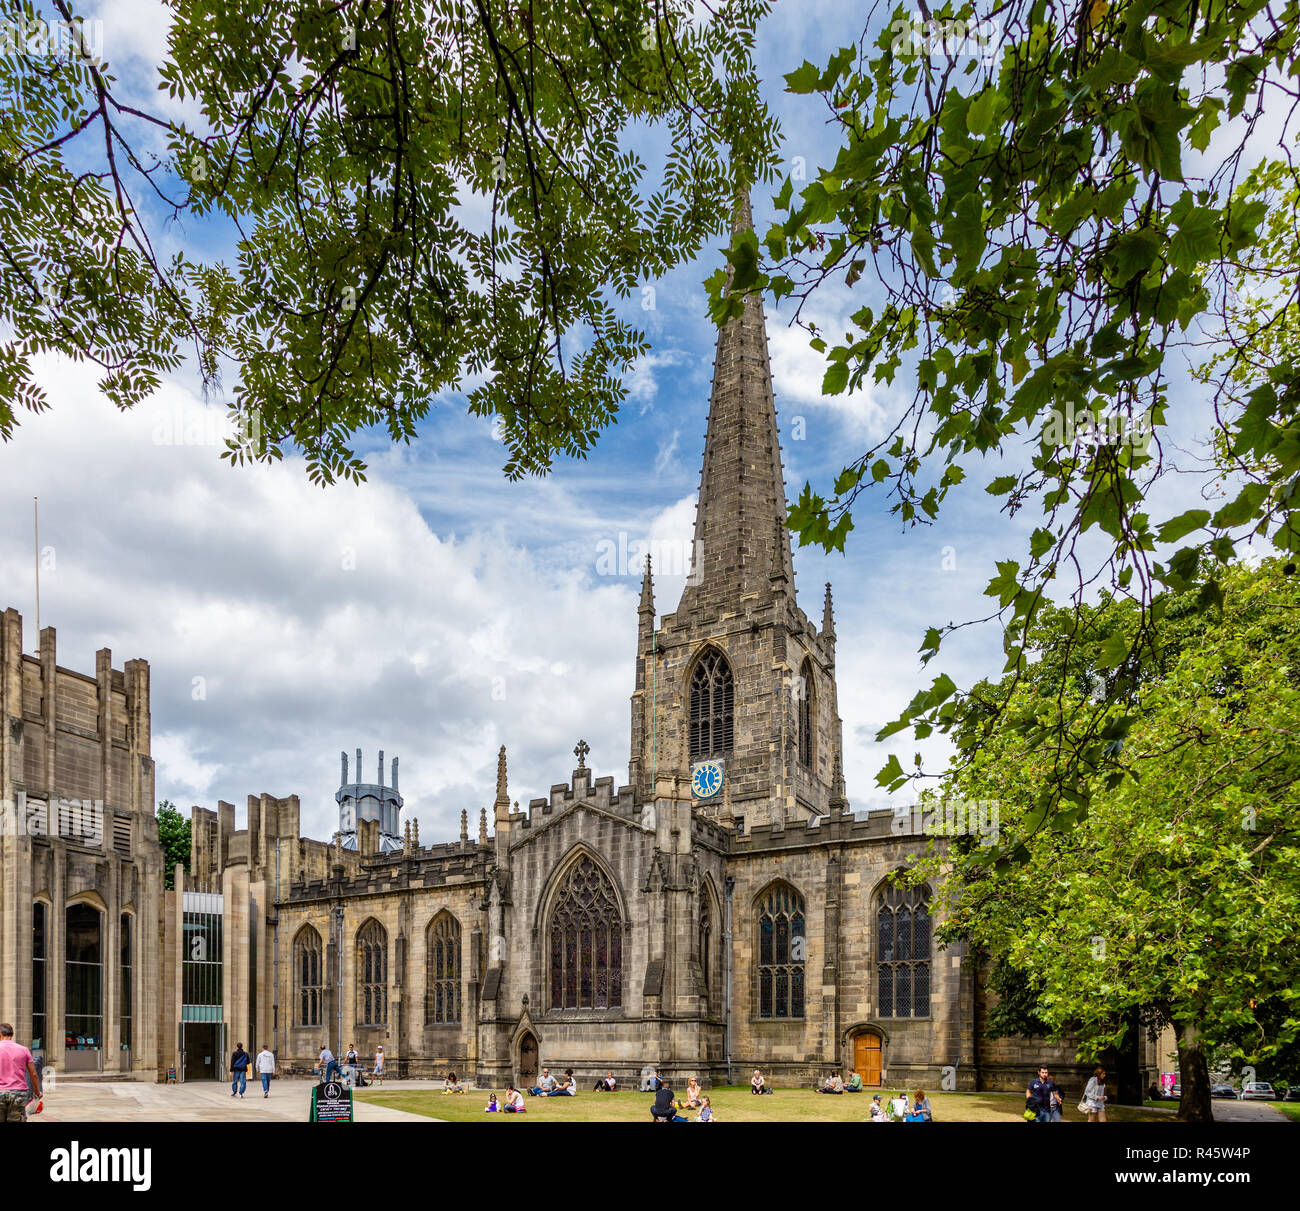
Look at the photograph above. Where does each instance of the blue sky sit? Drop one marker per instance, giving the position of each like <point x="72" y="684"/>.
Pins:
<point x="438" y="611"/>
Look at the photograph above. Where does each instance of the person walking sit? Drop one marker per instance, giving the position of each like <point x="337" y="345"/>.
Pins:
<point x="239" y="1070"/>
<point x="266" y="1068"/>
<point x="17" y="1072"/>
<point x="1094" y="1096"/>
<point x="351" y="1062"/>
<point x="379" y="1065"/>
<point x="1038" y="1095"/>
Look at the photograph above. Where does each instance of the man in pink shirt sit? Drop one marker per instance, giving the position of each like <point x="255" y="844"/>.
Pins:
<point x="16" y="1067"/>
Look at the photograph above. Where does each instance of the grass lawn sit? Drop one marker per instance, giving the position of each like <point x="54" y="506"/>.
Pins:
<point x="733" y="1104"/>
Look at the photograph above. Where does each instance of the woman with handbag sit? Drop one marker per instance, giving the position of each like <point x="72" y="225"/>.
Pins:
<point x="1094" y="1096"/>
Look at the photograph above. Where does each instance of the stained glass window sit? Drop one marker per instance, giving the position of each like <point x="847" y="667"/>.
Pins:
<point x="442" y="1003"/>
<point x="307" y="971"/>
<point x="903" y="960"/>
<point x="372" y="970"/>
<point x="586" y="945"/>
<point x="712" y="707"/>
<point x="704" y="945"/>
<point x="781" y="941"/>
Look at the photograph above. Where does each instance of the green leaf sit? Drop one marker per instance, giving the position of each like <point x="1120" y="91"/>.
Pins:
<point x="1182" y="525"/>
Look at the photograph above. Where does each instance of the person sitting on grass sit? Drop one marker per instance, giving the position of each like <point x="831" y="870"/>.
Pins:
<point x="606" y="1084"/>
<point x="921" y="1107"/>
<point x="756" y="1083"/>
<point x="878" y="1112"/>
<point x="451" y="1084"/>
<point x="492" y="1107"/>
<point x="665" y="1106"/>
<point x="694" y="1094"/>
<point x="898" y="1106"/>
<point x="543" y="1086"/>
<point x="834" y="1083"/>
<point x="514" y="1101"/>
<point x="855" y="1083"/>
<point x="567" y="1087"/>
<point x="706" y="1111"/>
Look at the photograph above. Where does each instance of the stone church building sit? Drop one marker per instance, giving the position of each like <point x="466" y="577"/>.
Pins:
<point x="725" y="910"/>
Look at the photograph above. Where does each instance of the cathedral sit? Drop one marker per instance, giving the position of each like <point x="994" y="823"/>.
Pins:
<point x="723" y="911"/>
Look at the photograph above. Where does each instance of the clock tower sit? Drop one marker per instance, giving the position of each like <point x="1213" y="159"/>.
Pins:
<point x="738" y="680"/>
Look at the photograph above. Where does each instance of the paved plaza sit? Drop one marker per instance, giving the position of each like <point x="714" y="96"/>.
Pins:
<point x="90" y="1101"/>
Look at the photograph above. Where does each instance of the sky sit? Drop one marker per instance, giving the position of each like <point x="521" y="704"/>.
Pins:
<point x="437" y="611"/>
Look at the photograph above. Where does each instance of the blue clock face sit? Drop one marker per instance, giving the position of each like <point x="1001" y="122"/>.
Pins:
<point x="707" y="779"/>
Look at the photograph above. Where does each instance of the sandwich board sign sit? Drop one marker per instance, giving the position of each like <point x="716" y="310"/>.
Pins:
<point x="331" y="1102"/>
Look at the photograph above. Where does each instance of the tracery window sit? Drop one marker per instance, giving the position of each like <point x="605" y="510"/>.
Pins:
<point x="372" y="969"/>
<point x="307" y="971"/>
<point x="712" y="722"/>
<point x="805" y="715"/>
<point x="781" y="943"/>
<point x="443" y="995"/>
<point x="903" y="945"/>
<point x="586" y="941"/>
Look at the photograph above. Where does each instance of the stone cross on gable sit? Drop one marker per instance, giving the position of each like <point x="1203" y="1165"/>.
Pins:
<point x="580" y="750"/>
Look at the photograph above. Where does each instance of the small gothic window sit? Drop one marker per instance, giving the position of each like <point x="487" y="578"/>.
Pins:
<point x="781" y="942"/>
<point x="805" y="689"/>
<point x="712" y="707"/>
<point x="903" y="961"/>
<point x="372" y="971"/>
<point x="586" y="941"/>
<point x="307" y="970"/>
<point x="442" y="998"/>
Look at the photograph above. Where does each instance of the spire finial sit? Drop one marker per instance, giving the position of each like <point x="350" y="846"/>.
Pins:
<point x="464" y="824"/>
<point x="580" y="750"/>
<point x="828" y="615"/>
<point x="415" y="833"/>
<point x="839" y="797"/>
<point x="482" y="826"/>
<point x="501" y="807"/>
<point x="647" y="605"/>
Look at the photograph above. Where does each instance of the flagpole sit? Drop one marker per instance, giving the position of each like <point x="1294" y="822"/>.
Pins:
<point x="36" y="552"/>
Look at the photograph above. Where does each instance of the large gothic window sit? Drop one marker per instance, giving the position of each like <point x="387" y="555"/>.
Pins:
<point x="40" y="942"/>
<point x="372" y="971"/>
<point x="903" y="963"/>
<point x="781" y="942"/>
<point x="712" y="706"/>
<point x="442" y="996"/>
<point x="307" y="972"/>
<point x="586" y="941"/>
<point x="806" y="715"/>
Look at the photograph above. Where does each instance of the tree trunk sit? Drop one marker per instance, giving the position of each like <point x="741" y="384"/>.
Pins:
<point x="1129" y="1086"/>
<point x="1194" y="1076"/>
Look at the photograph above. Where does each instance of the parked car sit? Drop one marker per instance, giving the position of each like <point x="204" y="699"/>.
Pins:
<point x="1223" y="1091"/>
<point x="1175" y="1093"/>
<point x="1292" y="1094"/>
<point x="1258" y="1091"/>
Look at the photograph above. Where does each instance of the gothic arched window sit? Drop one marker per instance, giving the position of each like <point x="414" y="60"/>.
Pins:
<point x="705" y="938"/>
<point x="307" y="970"/>
<point x="781" y="943"/>
<point x="712" y="706"/>
<point x="442" y="997"/>
<point x="903" y="962"/>
<point x="586" y="941"/>
<point x="372" y="974"/>
<point x="806" y="715"/>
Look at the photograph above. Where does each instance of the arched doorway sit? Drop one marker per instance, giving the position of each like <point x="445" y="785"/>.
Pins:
<point x="868" y="1057"/>
<point x="527" y="1076"/>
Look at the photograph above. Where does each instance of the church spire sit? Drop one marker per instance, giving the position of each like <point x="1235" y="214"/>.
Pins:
<point x="740" y="521"/>
<point x="828" y="616"/>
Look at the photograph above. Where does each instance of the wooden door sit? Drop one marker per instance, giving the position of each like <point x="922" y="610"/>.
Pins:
<point x="867" y="1057"/>
<point x="527" y="1062"/>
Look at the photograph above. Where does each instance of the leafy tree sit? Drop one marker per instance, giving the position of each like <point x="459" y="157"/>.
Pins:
<point x="174" y="837"/>
<point x="1049" y="196"/>
<point x="422" y="197"/>
<point x="1172" y="889"/>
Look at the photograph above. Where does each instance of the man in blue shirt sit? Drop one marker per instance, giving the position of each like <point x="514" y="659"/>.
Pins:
<point x="1039" y="1095"/>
